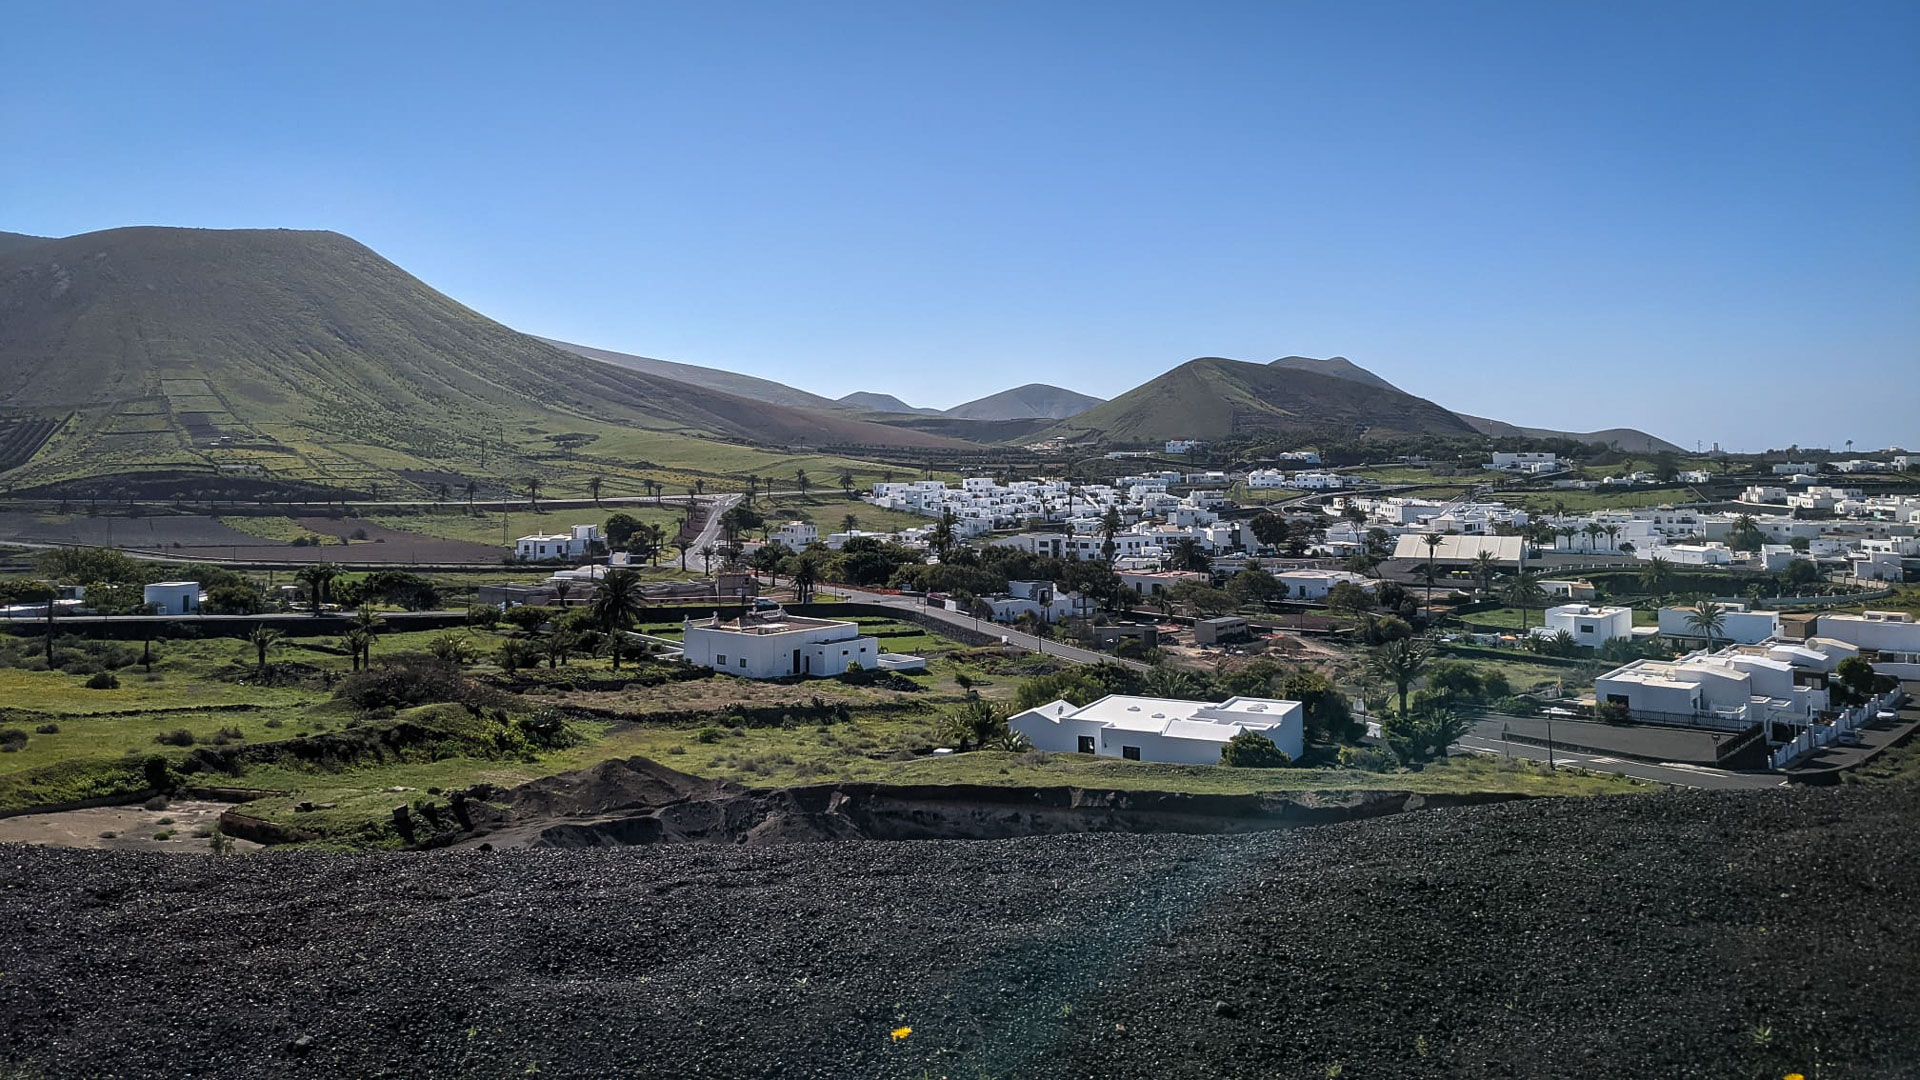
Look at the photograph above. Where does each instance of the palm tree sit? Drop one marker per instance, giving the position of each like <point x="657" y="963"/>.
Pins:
<point x="849" y="523"/>
<point x="1401" y="663"/>
<point x="533" y="493"/>
<point x="357" y="642"/>
<point x="1484" y="567"/>
<point x="846" y="482"/>
<point x="802" y="577"/>
<point x="560" y="644"/>
<point x="1613" y="535"/>
<point x="318" y="579"/>
<point x="753" y="482"/>
<point x="1656" y="576"/>
<point x="1432" y="540"/>
<point x="1709" y="618"/>
<point x="699" y="486"/>
<point x="706" y="559"/>
<point x="1109" y="528"/>
<point x="263" y="639"/>
<point x="365" y="625"/>
<point x="593" y="488"/>
<point x="802" y="481"/>
<point x="617" y="606"/>
<point x="472" y="489"/>
<point x="1524" y="592"/>
<point x="1592" y="532"/>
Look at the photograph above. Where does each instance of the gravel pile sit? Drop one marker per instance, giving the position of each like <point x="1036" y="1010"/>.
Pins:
<point x="1745" y="934"/>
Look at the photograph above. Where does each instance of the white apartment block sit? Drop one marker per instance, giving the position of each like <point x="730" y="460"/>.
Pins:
<point x="795" y="534"/>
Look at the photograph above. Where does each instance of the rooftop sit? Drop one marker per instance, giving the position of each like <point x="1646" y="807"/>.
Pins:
<point x="766" y="625"/>
<point x="1181" y="719"/>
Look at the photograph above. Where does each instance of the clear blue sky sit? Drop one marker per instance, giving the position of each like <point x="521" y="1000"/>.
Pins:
<point x="1698" y="218"/>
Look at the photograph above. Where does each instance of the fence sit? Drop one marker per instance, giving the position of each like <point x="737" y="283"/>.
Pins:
<point x="1815" y="736"/>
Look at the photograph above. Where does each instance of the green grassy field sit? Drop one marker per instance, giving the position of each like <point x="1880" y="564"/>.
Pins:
<point x="828" y="510"/>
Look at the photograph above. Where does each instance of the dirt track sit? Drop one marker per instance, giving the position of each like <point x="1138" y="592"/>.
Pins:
<point x="1695" y="934"/>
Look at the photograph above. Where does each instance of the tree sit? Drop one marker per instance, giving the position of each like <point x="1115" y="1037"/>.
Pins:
<point x="1454" y="679"/>
<point x="533" y="493"/>
<point x="803" y="575"/>
<point x="527" y="618"/>
<point x="264" y="639"/>
<point x="514" y="654"/>
<point x="472" y="488"/>
<point x="941" y="538"/>
<point x="593" y="488"/>
<point x="1613" y="535"/>
<point x="767" y="559"/>
<point x="848" y="523"/>
<point x="801" y="481"/>
<point x="1424" y="735"/>
<point x="1255" y="586"/>
<point x="1525" y="593"/>
<point x="1400" y="663"/>
<point x="1187" y="555"/>
<point x="1484" y="568"/>
<point x="1709" y="618"/>
<point x="846" y="482"/>
<point x="1433" y="541"/>
<point x="1328" y="718"/>
<point x="976" y="723"/>
<point x="617" y="605"/>
<point x="1855" y="678"/>
<point x="1109" y="528"/>
<point x="1657" y="576"/>
<point x="1253" y="750"/>
<point x="1745" y="534"/>
<point x="620" y="528"/>
<point x="753" y="482"/>
<point x="1800" y="572"/>
<point x="1270" y="529"/>
<point x="559" y="645"/>
<point x="356" y="642"/>
<point x="706" y="559"/>
<point x="1349" y="599"/>
<point x="318" y="579"/>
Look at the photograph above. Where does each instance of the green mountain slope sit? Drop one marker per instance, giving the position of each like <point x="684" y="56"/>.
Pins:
<point x="305" y="356"/>
<point x="1212" y="398"/>
<point x="746" y="386"/>
<point x="1023" y="402"/>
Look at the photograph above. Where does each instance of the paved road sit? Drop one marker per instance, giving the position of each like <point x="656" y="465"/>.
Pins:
<point x="1012" y="636"/>
<point x="710" y="531"/>
<point x="1674" y="773"/>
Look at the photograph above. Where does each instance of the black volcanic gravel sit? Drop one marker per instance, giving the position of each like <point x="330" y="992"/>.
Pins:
<point x="1746" y="934"/>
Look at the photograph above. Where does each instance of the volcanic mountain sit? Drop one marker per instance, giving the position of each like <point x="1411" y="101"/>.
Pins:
<point x="158" y="348"/>
<point x="1021" y="402"/>
<point x="1213" y="398"/>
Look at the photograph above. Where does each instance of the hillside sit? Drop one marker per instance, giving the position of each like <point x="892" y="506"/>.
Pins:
<point x="1627" y="439"/>
<point x="746" y="386"/>
<point x="1631" y="440"/>
<point x="1023" y="402"/>
<point x="1213" y="398"/>
<point x="13" y="241"/>
<point x="882" y="403"/>
<point x="304" y="357"/>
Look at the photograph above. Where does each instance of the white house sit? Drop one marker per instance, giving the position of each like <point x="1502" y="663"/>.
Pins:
<point x="1890" y="640"/>
<point x="1323" y="481"/>
<point x="1737" y="624"/>
<point x="1266" y="478"/>
<point x="772" y="645"/>
<point x="1688" y="554"/>
<point x="1591" y="625"/>
<point x="1800" y="468"/>
<point x="573" y="543"/>
<point x="1161" y="729"/>
<point x="1184" y="446"/>
<point x="1037" y="598"/>
<point x="795" y="534"/>
<point x="1529" y="462"/>
<point x="1316" y="584"/>
<point x="173" y="597"/>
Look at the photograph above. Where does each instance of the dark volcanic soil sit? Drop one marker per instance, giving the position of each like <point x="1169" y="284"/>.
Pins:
<point x="1743" y="934"/>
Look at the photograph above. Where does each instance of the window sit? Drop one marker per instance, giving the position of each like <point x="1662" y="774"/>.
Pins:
<point x="1586" y="628"/>
<point x="1086" y="744"/>
<point x="1131" y="753"/>
<point x="743" y="661"/>
<point x="720" y="659"/>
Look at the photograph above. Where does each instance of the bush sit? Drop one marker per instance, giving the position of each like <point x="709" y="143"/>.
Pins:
<point x="47" y="729"/>
<point x="708" y="735"/>
<point x="176" y="737"/>
<point x="1423" y="734"/>
<point x="405" y="681"/>
<point x="104" y="680"/>
<point x="1253" y="750"/>
<point x="12" y="739"/>
<point x="547" y="728"/>
<point x="1368" y="758"/>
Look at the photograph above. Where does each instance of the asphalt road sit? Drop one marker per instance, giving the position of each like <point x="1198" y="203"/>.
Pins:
<point x="1486" y="740"/>
<point x="1012" y="636"/>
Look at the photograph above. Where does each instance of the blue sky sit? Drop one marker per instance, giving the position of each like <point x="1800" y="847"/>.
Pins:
<point x="1702" y="219"/>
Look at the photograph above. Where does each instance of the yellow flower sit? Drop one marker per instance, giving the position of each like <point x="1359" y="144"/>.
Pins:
<point x="902" y="1032"/>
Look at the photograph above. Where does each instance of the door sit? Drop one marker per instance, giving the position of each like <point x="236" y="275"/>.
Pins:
<point x="1086" y="744"/>
<point x="1131" y="753"/>
<point x="795" y="666"/>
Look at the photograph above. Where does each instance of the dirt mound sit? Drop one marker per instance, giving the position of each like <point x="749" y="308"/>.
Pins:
<point x="639" y="801"/>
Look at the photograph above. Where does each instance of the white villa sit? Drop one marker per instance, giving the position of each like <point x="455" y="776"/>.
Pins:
<point x="573" y="543"/>
<point x="173" y="597"/>
<point x="1161" y="729"/>
<point x="1740" y="684"/>
<point x="1316" y="584"/>
<point x="795" y="534"/>
<point x="1738" y="624"/>
<point x="1591" y="625"/>
<point x="773" y="645"/>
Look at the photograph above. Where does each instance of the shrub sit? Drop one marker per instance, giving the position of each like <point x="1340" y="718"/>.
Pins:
<point x="176" y="737"/>
<point x="104" y="680"/>
<point x="1368" y="759"/>
<point x="158" y="802"/>
<point x="547" y="728"/>
<point x="1253" y="750"/>
<point x="708" y="735"/>
<point x="484" y="616"/>
<point x="47" y="729"/>
<point x="163" y="834"/>
<point x="276" y="722"/>
<point x="412" y="680"/>
<point x="12" y="739"/>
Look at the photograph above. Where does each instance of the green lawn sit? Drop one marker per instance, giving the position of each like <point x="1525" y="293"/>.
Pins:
<point x="828" y="510"/>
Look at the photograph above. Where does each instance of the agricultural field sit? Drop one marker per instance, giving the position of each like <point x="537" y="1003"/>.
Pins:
<point x="828" y="510"/>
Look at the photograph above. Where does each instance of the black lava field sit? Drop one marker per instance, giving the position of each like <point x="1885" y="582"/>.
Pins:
<point x="1750" y="935"/>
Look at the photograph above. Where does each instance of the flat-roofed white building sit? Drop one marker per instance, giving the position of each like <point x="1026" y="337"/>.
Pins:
<point x="1890" y="640"/>
<point x="1738" y="624"/>
<point x="795" y="534"/>
<point x="173" y="597"/>
<point x="1161" y="729"/>
<point x="575" y="542"/>
<point x="1316" y="584"/>
<point x="1591" y="625"/>
<point x="770" y="646"/>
